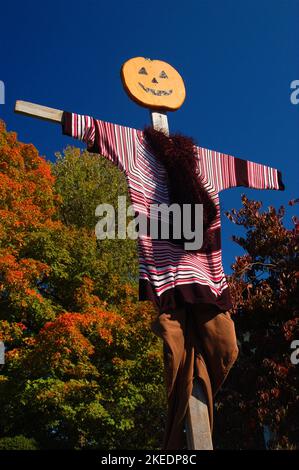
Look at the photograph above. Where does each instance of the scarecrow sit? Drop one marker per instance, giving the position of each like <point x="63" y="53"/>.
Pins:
<point x="188" y="287"/>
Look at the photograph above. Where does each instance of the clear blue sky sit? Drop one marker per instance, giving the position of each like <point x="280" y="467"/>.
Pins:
<point x="237" y="59"/>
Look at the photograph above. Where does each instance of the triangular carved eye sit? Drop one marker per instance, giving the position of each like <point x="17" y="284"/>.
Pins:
<point x="142" y="71"/>
<point x="163" y="74"/>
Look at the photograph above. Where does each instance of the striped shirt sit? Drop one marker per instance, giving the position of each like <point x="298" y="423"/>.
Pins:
<point x="168" y="274"/>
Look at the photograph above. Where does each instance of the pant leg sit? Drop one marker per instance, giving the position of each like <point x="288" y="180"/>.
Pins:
<point x="218" y="343"/>
<point x="178" y="367"/>
<point x="198" y="342"/>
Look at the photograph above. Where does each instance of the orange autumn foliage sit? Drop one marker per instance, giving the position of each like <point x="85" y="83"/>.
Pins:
<point x="28" y="199"/>
<point x="28" y="203"/>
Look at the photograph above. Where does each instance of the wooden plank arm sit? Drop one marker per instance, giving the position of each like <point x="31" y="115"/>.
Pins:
<point x="38" y="111"/>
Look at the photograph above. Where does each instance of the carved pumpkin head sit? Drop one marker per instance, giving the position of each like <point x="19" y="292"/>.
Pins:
<point x="153" y="83"/>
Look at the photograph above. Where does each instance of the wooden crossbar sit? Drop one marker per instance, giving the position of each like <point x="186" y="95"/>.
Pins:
<point x="38" y="111"/>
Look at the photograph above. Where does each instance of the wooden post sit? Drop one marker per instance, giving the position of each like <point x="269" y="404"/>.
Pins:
<point x="197" y="422"/>
<point x="160" y="121"/>
<point x="197" y="419"/>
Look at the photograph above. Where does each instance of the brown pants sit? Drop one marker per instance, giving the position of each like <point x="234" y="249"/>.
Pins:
<point x="198" y="342"/>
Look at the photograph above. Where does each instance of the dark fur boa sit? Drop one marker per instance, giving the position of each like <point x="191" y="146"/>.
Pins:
<point x="178" y="155"/>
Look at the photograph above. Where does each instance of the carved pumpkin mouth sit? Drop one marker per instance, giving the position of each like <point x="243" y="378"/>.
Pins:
<point x="155" y="92"/>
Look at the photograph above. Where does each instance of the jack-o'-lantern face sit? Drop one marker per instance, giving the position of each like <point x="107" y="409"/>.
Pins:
<point x="153" y="83"/>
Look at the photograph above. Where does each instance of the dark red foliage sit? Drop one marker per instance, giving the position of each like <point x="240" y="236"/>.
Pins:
<point x="259" y="404"/>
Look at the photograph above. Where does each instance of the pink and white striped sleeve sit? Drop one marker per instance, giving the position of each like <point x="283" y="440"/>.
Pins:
<point x="114" y="142"/>
<point x="263" y="177"/>
<point x="227" y="171"/>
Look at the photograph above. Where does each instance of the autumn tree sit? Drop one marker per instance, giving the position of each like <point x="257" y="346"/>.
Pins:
<point x="82" y="367"/>
<point x="84" y="181"/>
<point x="259" y="405"/>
